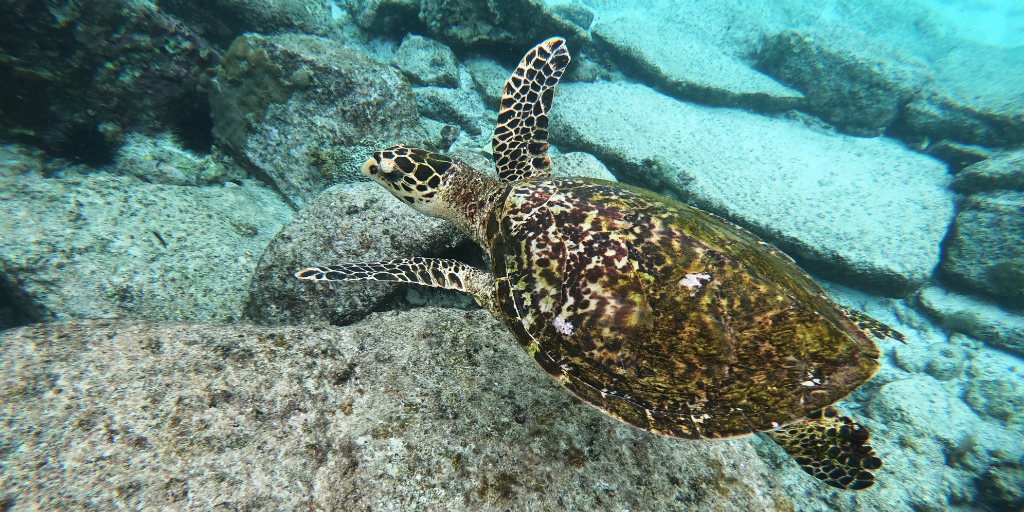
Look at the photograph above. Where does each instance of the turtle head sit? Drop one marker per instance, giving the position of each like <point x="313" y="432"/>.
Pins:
<point x="413" y="175"/>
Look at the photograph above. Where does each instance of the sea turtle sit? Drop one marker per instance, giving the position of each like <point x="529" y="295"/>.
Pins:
<point x="661" y="315"/>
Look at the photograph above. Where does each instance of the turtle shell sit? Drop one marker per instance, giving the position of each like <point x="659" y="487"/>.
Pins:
<point x="664" y="316"/>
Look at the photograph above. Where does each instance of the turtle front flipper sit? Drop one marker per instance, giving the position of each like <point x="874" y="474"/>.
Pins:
<point x="439" y="273"/>
<point x="520" y="141"/>
<point x="831" y="448"/>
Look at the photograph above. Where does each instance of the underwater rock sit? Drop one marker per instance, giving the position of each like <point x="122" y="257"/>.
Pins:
<point x="100" y="246"/>
<point x="440" y="136"/>
<point x="489" y="77"/>
<point x="850" y="91"/>
<point x="946" y="361"/>
<point x="431" y="409"/>
<point x="221" y="21"/>
<point x="305" y="111"/>
<point x="975" y="318"/>
<point x="1000" y="400"/>
<point x="1004" y="171"/>
<point x="864" y="212"/>
<point x="983" y="252"/>
<point x="958" y="155"/>
<point x="75" y="75"/>
<point x="427" y="62"/>
<point x="18" y="159"/>
<point x="976" y="97"/>
<point x="670" y="59"/>
<point x="160" y="159"/>
<point x="578" y="163"/>
<point x="462" y="106"/>
<point x="348" y="223"/>
<point x="507" y="28"/>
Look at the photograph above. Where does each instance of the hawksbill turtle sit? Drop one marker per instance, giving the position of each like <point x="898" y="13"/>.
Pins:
<point x="661" y="315"/>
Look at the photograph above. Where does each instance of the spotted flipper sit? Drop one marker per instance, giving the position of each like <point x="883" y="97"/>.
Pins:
<point x="449" y="274"/>
<point x="873" y="327"/>
<point x="831" y="448"/>
<point x="520" y="138"/>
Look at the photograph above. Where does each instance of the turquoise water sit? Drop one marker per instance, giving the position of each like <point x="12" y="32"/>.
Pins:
<point x="167" y="167"/>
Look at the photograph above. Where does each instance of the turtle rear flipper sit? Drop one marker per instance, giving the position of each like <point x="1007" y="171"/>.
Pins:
<point x="831" y="448"/>
<point x="520" y="141"/>
<point x="872" y="327"/>
<point x="438" y="273"/>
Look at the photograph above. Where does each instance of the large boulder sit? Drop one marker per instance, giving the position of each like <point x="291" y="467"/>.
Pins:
<point x="431" y="409"/>
<point x="461" y="106"/>
<point x="1004" y="171"/>
<point x="76" y="76"/>
<point x="955" y="312"/>
<point x="427" y="62"/>
<point x="305" y="112"/>
<point x="100" y="246"/>
<point x="221" y="21"/>
<point x="976" y="97"/>
<point x="855" y="93"/>
<point x="674" y="60"/>
<point x="348" y="223"/>
<point x="505" y="28"/>
<point x="984" y="253"/>
<point x="866" y="212"/>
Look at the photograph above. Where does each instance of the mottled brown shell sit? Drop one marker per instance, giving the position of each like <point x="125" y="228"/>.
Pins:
<point x="666" y="317"/>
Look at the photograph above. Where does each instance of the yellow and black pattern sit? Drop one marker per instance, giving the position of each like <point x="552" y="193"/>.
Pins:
<point x="439" y="273"/>
<point x="831" y="448"/>
<point x="520" y="137"/>
<point x="410" y="174"/>
<point x="665" y="317"/>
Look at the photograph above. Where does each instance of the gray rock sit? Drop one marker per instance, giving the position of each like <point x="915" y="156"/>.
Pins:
<point x="1004" y="171"/>
<point x="1000" y="400"/>
<point x="490" y="78"/>
<point x="910" y="358"/>
<point x="18" y="159"/>
<point x="864" y="212"/>
<point x="946" y="361"/>
<point x="510" y="27"/>
<point x="77" y="75"/>
<point x="348" y="223"/>
<point x="983" y="252"/>
<point x="161" y="159"/>
<point x="385" y="15"/>
<point x="1003" y="485"/>
<point x="100" y="246"/>
<point x="579" y="164"/>
<point x="427" y="62"/>
<point x="440" y="135"/>
<point x="223" y="20"/>
<point x="975" y="98"/>
<point x="305" y="111"/>
<point x="958" y="155"/>
<point x="461" y="106"/>
<point x="431" y="410"/>
<point x="678" y="63"/>
<point x="849" y="91"/>
<point x="975" y="318"/>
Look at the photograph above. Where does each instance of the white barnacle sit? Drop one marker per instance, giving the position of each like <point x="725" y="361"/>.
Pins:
<point x="563" y="326"/>
<point x="693" y="281"/>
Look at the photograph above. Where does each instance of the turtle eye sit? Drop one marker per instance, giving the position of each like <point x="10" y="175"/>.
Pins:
<point x="374" y="169"/>
<point x="394" y="175"/>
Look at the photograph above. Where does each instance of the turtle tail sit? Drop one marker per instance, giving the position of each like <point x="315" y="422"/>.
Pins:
<point x="831" y="448"/>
